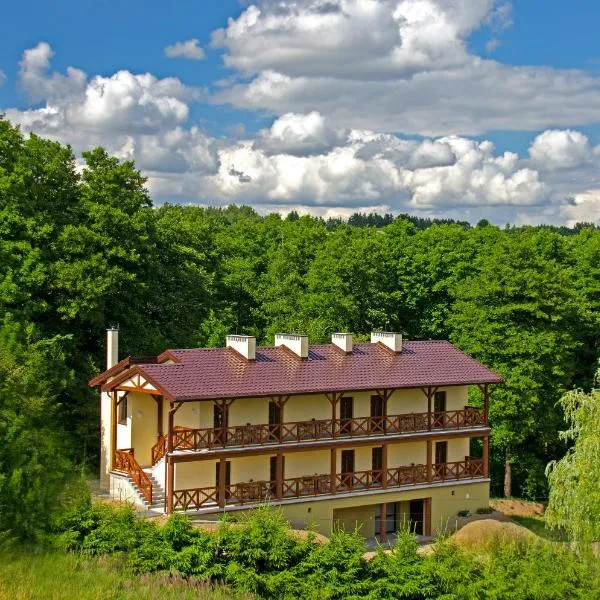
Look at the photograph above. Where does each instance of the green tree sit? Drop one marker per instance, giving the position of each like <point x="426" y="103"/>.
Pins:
<point x="575" y="479"/>
<point x="519" y="313"/>
<point x="34" y="470"/>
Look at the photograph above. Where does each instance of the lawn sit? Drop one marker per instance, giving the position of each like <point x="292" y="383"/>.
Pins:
<point x="58" y="576"/>
<point x="538" y="526"/>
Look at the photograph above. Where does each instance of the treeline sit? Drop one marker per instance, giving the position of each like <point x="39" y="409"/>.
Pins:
<point x="82" y="247"/>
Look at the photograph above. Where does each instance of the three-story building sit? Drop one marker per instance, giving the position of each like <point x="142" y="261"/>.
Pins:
<point x="343" y="434"/>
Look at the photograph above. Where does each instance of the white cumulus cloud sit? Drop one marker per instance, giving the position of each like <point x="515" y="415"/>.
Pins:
<point x="394" y="65"/>
<point x="189" y="49"/>
<point x="560" y="149"/>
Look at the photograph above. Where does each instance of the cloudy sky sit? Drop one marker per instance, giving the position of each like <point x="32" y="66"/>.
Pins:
<point x="447" y="108"/>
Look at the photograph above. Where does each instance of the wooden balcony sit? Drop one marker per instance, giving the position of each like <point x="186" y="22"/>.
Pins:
<point x="186" y="438"/>
<point x="252" y="492"/>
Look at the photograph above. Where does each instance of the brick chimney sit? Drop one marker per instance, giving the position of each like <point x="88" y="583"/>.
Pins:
<point x="392" y="340"/>
<point x="296" y="343"/>
<point x="244" y="344"/>
<point x="343" y="341"/>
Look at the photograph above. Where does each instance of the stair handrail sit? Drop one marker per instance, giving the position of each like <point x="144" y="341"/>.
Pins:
<point x="126" y="462"/>
<point x="159" y="449"/>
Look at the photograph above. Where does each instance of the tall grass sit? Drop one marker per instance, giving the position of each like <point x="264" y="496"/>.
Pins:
<point x="61" y="576"/>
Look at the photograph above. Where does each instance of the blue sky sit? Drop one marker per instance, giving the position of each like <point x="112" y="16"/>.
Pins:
<point x="326" y="106"/>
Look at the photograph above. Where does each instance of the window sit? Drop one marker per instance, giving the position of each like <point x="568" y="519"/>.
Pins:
<point x="122" y="411"/>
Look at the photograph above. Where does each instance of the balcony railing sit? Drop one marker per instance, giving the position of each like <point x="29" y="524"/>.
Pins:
<point x="317" y="485"/>
<point x="187" y="438"/>
<point x="125" y="462"/>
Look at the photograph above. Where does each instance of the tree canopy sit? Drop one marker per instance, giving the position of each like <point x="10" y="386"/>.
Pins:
<point x="82" y="246"/>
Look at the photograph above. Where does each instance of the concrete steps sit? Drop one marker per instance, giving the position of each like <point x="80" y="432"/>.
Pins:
<point x="158" y="492"/>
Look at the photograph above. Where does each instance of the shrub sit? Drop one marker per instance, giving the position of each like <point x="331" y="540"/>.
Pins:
<point x="463" y="513"/>
<point x="484" y="510"/>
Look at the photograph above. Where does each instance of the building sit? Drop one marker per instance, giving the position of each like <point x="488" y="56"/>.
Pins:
<point x="340" y="434"/>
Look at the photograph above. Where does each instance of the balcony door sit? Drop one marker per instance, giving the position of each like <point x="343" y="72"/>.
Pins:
<point x="346" y="415"/>
<point x="377" y="465"/>
<point x="220" y="423"/>
<point x="377" y="421"/>
<point x="417" y="516"/>
<point x="441" y="458"/>
<point x="439" y="409"/>
<point x="347" y="469"/>
<point x="275" y="418"/>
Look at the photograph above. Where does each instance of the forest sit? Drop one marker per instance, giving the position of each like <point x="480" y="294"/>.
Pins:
<point x="82" y="247"/>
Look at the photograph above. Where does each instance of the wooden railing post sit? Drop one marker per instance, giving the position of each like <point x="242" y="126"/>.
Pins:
<point x="486" y="403"/>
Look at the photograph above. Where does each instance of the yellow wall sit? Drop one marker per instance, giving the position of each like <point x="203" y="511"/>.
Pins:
<point x="254" y="468"/>
<point x="144" y="425"/>
<point x="298" y="464"/>
<point x="361" y="518"/>
<point x="446" y="501"/>
<point x="195" y="474"/>
<point x="249" y="410"/>
<point x="305" y="408"/>
<point x="406" y="453"/>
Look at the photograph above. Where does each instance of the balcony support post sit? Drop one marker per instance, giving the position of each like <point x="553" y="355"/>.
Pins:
<point x="486" y="456"/>
<point x="172" y="411"/>
<point x="222" y="481"/>
<point x="159" y="416"/>
<point x="486" y="403"/>
<point x="383" y="522"/>
<point x="333" y="398"/>
<point x="333" y="470"/>
<point x="279" y="476"/>
<point x="170" y="484"/>
<point x="429" y="393"/>
<point x="429" y="462"/>
<point x="384" y="465"/>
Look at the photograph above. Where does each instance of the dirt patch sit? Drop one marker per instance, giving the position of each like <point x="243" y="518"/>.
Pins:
<point x="478" y="534"/>
<point x="518" y="508"/>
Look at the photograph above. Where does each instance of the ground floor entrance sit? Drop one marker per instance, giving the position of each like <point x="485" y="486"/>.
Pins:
<point x="386" y="518"/>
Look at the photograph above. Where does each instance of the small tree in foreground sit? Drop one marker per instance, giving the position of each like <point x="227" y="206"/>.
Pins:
<point x="575" y="479"/>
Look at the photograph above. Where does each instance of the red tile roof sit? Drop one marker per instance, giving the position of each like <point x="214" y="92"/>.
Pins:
<point x="206" y="373"/>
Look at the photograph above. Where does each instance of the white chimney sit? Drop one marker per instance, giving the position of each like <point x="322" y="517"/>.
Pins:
<point x="244" y="344"/>
<point x="112" y="347"/>
<point x="296" y="343"/>
<point x="343" y="341"/>
<point x="392" y="340"/>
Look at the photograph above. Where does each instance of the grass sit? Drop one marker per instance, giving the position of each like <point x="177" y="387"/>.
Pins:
<point x="538" y="526"/>
<point x="58" y="576"/>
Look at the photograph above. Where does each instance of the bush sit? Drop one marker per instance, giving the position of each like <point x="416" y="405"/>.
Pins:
<point x="484" y="510"/>
<point x="261" y="556"/>
<point x="463" y="513"/>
